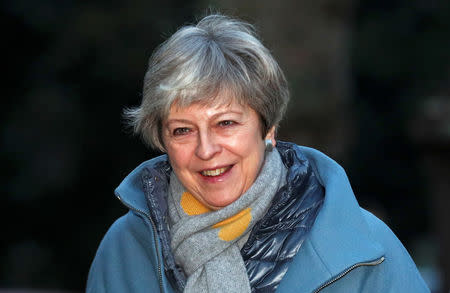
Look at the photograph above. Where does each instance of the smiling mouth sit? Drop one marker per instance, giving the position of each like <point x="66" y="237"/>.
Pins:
<point x="215" y="172"/>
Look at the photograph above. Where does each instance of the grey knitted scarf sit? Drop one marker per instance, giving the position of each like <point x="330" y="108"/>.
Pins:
<point x="206" y="243"/>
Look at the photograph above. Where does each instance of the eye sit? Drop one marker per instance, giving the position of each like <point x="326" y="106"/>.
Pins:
<point x="226" y="123"/>
<point x="180" y="131"/>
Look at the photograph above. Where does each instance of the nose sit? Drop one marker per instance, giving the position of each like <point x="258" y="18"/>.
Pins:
<point x="207" y="146"/>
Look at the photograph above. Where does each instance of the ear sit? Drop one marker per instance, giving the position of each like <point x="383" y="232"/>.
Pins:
<point x="271" y="135"/>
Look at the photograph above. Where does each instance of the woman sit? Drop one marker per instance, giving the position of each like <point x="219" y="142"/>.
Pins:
<point x="224" y="210"/>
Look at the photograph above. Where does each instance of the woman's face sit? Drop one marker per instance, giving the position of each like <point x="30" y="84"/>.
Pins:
<point x="215" y="151"/>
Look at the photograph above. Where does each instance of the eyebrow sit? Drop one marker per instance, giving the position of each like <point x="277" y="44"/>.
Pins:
<point x="227" y="112"/>
<point x="174" y="120"/>
<point x="169" y="121"/>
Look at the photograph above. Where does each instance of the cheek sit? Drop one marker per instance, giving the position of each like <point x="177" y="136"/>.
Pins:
<point x="252" y="149"/>
<point x="179" y="157"/>
<point x="248" y="138"/>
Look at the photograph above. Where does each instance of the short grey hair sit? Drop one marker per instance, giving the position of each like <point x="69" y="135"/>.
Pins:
<point x="200" y="61"/>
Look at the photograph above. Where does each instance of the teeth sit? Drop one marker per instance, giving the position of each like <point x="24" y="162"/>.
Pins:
<point x="215" y="172"/>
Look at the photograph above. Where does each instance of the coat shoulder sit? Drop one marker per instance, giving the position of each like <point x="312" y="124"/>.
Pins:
<point x="125" y="253"/>
<point x="398" y="268"/>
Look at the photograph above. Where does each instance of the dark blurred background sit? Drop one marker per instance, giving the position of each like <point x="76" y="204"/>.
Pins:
<point x="370" y="85"/>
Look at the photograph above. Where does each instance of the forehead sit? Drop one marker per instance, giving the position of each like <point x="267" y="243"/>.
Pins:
<point x="207" y="110"/>
<point x="220" y="102"/>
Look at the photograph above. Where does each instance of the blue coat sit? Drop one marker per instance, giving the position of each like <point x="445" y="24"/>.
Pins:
<point x="347" y="250"/>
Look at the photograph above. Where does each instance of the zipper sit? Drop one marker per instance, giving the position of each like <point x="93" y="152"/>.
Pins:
<point x="348" y="270"/>
<point x="155" y="239"/>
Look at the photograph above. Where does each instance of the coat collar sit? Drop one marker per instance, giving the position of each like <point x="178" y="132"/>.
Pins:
<point x="130" y="191"/>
